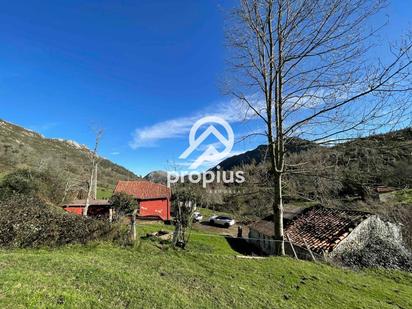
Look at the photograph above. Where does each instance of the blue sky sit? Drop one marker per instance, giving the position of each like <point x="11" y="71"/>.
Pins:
<point x="142" y="70"/>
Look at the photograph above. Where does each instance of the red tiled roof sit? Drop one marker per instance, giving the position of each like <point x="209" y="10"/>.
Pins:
<point x="322" y="228"/>
<point x="143" y="190"/>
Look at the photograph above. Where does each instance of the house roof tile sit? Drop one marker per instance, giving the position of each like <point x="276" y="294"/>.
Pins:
<point x="143" y="190"/>
<point x="321" y="228"/>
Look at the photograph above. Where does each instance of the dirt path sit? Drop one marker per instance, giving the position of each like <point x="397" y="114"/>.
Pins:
<point x="231" y="231"/>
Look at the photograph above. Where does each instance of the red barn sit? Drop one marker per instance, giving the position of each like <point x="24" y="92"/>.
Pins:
<point x="154" y="199"/>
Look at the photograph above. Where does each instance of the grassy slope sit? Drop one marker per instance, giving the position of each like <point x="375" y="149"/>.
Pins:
<point x="104" y="193"/>
<point x="208" y="275"/>
<point x="404" y="196"/>
<point x="20" y="148"/>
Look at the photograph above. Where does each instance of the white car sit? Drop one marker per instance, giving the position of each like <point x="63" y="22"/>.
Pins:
<point x="222" y="221"/>
<point x="197" y="216"/>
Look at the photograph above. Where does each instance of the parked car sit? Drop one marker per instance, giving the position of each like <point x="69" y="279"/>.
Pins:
<point x="197" y="216"/>
<point x="222" y="221"/>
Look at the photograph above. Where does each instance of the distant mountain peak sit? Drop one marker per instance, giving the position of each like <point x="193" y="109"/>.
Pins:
<point x="157" y="177"/>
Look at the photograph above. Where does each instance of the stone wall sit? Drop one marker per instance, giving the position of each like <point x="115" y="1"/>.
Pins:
<point x="370" y="229"/>
<point x="267" y="246"/>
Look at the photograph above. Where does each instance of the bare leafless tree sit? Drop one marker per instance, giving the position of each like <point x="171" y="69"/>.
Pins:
<point x="309" y="68"/>
<point x="183" y="223"/>
<point x="72" y="186"/>
<point x="94" y="160"/>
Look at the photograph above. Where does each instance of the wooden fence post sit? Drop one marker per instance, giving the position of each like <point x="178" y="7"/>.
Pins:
<point x="293" y="248"/>
<point x="310" y="251"/>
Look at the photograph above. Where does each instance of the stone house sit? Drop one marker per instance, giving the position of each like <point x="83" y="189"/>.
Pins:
<point x="325" y="231"/>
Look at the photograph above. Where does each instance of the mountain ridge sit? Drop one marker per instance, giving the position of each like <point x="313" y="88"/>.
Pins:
<point x="259" y="154"/>
<point x="25" y="148"/>
<point x="157" y="176"/>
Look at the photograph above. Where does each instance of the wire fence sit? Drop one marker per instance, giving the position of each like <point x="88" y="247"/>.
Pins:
<point x="295" y="250"/>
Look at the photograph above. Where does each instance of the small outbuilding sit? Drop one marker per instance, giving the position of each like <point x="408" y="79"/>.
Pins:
<point x="97" y="208"/>
<point x="323" y="232"/>
<point x="154" y="199"/>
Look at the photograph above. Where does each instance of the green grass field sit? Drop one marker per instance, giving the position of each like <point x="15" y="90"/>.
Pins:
<point x="104" y="193"/>
<point x="207" y="275"/>
<point x="404" y="196"/>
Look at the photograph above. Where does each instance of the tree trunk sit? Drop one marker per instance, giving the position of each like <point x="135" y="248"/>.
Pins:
<point x="86" y="207"/>
<point x="111" y="215"/>
<point x="276" y="159"/>
<point x="133" y="225"/>
<point x="89" y="191"/>
<point x="94" y="192"/>
<point x="278" y="215"/>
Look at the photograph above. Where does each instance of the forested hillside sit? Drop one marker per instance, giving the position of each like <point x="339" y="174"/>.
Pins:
<point x="348" y="174"/>
<point x="384" y="159"/>
<point x="394" y="148"/>
<point x="21" y="148"/>
<point x="260" y="154"/>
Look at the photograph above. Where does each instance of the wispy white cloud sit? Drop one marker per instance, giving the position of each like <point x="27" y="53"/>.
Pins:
<point x="149" y="136"/>
<point x="174" y="128"/>
<point x="234" y="110"/>
<point x="115" y="153"/>
<point x="231" y="110"/>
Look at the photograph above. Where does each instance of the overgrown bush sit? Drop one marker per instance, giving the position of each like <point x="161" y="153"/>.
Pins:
<point x="27" y="221"/>
<point x="379" y="253"/>
<point x="43" y="184"/>
<point x="126" y="205"/>
<point x="123" y="204"/>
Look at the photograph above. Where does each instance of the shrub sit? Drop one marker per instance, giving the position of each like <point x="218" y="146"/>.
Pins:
<point x="19" y="182"/>
<point x="43" y="184"/>
<point x="379" y="253"/>
<point x="123" y="203"/>
<point x="400" y="214"/>
<point x="27" y="221"/>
